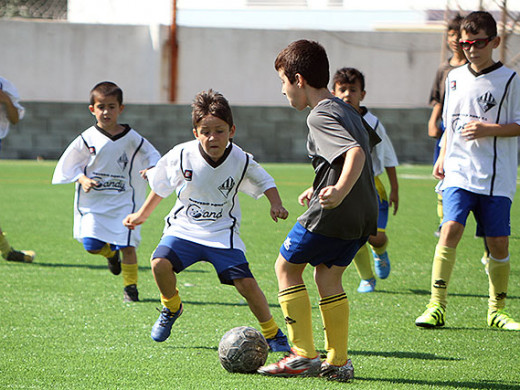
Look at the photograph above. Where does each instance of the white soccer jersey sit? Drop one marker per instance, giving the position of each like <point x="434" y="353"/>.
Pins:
<point x="383" y="154"/>
<point x="485" y="165"/>
<point x="10" y="90"/>
<point x="207" y="210"/>
<point x="115" y="163"/>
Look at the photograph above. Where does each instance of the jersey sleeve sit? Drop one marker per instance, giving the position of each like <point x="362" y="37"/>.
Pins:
<point x="256" y="180"/>
<point x="72" y="163"/>
<point x="150" y="156"/>
<point x="13" y="94"/>
<point x="389" y="156"/>
<point x="165" y="177"/>
<point x="514" y="101"/>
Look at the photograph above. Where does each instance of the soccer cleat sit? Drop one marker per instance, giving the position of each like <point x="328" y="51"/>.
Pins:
<point x="366" y="286"/>
<point x="131" y="294"/>
<point x="501" y="319"/>
<point x="20" y="256"/>
<point x="437" y="233"/>
<point x="334" y="373"/>
<point x="293" y="365"/>
<point x="381" y="264"/>
<point x="432" y="317"/>
<point x="162" y="328"/>
<point x="279" y="343"/>
<point x="114" y="264"/>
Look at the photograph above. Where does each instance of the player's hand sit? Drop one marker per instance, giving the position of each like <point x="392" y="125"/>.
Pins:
<point x="305" y="197"/>
<point x="438" y="169"/>
<point x="474" y="130"/>
<point x="330" y="197"/>
<point x="393" y="201"/>
<point x="133" y="220"/>
<point x="278" y="211"/>
<point x="87" y="184"/>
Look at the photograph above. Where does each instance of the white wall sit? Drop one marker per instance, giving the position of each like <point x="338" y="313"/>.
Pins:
<point x="62" y="62"/>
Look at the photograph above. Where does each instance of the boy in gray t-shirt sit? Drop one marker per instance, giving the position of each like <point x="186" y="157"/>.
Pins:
<point x="342" y="214"/>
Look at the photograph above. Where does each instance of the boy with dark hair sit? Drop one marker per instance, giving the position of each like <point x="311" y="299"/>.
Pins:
<point x="435" y="124"/>
<point x="206" y="174"/>
<point x="341" y="214"/>
<point x="478" y="167"/>
<point x="11" y="111"/>
<point x="108" y="163"/>
<point x="349" y="85"/>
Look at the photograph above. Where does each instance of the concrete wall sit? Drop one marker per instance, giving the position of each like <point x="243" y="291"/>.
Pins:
<point x="271" y="134"/>
<point x="51" y="61"/>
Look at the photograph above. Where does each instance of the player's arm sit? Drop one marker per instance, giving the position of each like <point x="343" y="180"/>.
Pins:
<point x="277" y="209"/>
<point x="305" y="197"/>
<point x="433" y="128"/>
<point x="139" y="217"/>
<point x="438" y="167"/>
<point x="331" y="196"/>
<point x="393" y="198"/>
<point x="475" y="129"/>
<point x="10" y="109"/>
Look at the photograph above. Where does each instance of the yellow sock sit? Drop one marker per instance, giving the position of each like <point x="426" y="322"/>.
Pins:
<point x="440" y="212"/>
<point x="381" y="249"/>
<point x="107" y="251"/>
<point x="335" y="314"/>
<point x="129" y="272"/>
<point x="5" y="248"/>
<point x="269" y="328"/>
<point x="443" y="262"/>
<point x="498" y="281"/>
<point x="363" y="264"/>
<point x="296" y="308"/>
<point x="173" y="303"/>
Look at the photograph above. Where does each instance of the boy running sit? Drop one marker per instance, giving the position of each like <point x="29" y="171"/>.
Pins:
<point x="341" y="215"/>
<point x="108" y="163"/>
<point x="206" y="174"/>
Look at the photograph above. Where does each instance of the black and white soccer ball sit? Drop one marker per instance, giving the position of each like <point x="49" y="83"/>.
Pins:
<point x="242" y="349"/>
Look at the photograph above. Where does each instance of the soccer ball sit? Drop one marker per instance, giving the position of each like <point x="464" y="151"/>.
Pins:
<point x="242" y="349"/>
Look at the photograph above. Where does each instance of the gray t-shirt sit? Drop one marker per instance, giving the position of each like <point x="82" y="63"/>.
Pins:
<point x="334" y="128"/>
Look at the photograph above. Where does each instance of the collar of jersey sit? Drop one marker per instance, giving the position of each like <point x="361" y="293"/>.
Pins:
<point x="208" y="159"/>
<point x="117" y="136"/>
<point x="493" y="67"/>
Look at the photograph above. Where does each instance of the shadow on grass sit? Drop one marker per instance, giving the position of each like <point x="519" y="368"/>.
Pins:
<point x="209" y="303"/>
<point x="427" y="293"/>
<point x="100" y="266"/>
<point x="489" y="385"/>
<point x="403" y="355"/>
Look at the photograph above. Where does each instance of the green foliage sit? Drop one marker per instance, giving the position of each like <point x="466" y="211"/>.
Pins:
<point x="63" y="323"/>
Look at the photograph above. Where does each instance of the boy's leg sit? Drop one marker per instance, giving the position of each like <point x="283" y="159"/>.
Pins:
<point x="499" y="268"/>
<point x="249" y="289"/>
<point x="379" y="243"/>
<point x="98" y="247"/>
<point x="129" y="269"/>
<point x="166" y="280"/>
<point x="364" y="269"/>
<point x="11" y="254"/>
<point x="334" y="307"/>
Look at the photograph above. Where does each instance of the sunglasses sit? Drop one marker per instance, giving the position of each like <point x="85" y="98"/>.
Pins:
<point x="478" y="43"/>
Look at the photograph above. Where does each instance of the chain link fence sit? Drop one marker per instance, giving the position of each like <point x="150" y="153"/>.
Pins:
<point x="34" y="9"/>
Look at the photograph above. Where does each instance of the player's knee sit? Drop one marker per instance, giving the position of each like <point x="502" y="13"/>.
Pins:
<point x="160" y="265"/>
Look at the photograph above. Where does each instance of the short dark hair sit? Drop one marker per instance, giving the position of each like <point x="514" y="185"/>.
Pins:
<point x="307" y="58"/>
<point x="348" y="76"/>
<point x="211" y="103"/>
<point x="106" y="88"/>
<point x="455" y="22"/>
<point x="479" y="20"/>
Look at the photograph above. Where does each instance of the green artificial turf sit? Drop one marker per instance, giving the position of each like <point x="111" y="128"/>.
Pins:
<point x="63" y="323"/>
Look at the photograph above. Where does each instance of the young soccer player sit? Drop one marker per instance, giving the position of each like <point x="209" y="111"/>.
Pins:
<point x="108" y="163"/>
<point x="349" y="85"/>
<point x="206" y="174"/>
<point x="435" y="124"/>
<point x="11" y="112"/>
<point x="341" y="215"/>
<point x="478" y="164"/>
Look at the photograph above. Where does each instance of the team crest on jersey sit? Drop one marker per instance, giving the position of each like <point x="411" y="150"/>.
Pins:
<point x="123" y="161"/>
<point x="226" y="187"/>
<point x="92" y="150"/>
<point x="453" y="85"/>
<point x="188" y="174"/>
<point x="487" y="101"/>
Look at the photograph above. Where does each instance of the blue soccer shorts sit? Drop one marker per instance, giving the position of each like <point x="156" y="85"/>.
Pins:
<point x="382" y="200"/>
<point x="302" y="246"/>
<point x="93" y="244"/>
<point x="492" y="213"/>
<point x="230" y="264"/>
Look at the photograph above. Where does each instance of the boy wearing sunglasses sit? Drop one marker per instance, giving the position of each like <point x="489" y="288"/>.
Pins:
<point x="478" y="167"/>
